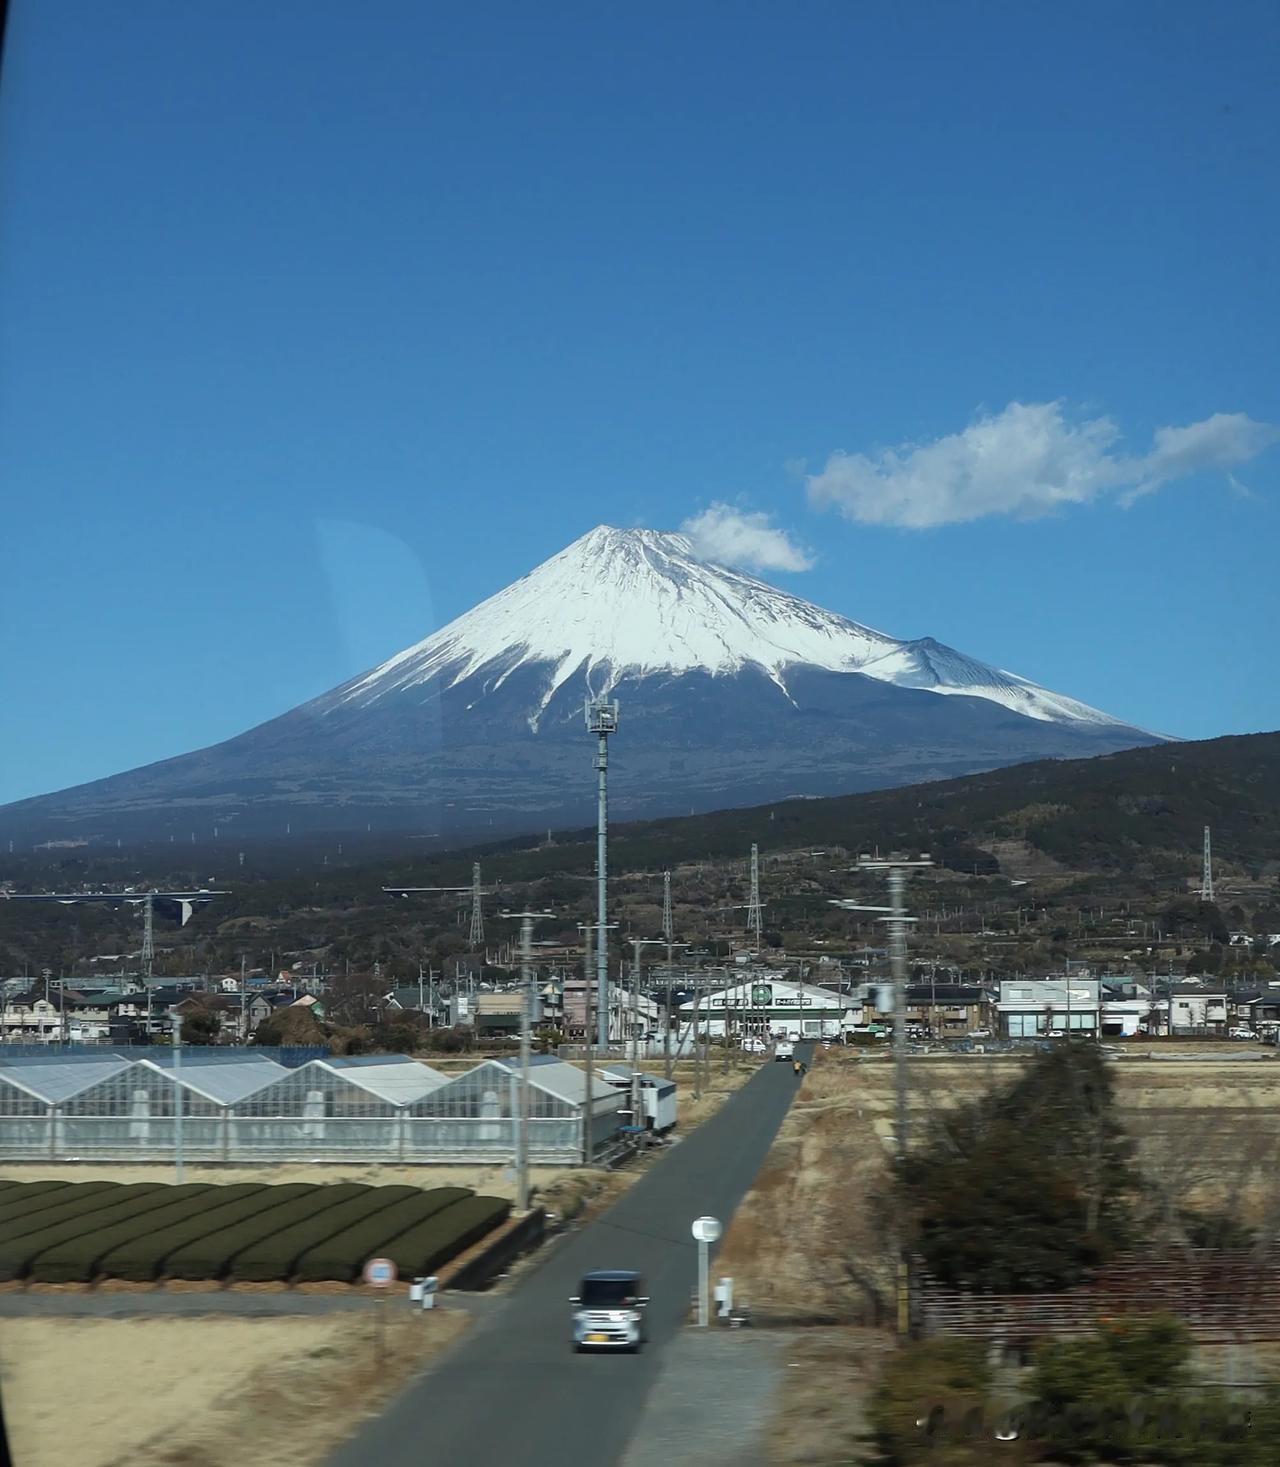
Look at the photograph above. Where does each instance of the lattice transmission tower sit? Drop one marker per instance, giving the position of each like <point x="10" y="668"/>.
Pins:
<point x="476" y="935"/>
<point x="148" y="936"/>
<point x="668" y="924"/>
<point x="1206" y="874"/>
<point x="755" y="912"/>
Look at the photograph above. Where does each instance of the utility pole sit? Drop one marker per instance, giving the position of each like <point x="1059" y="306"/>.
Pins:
<point x="668" y="931"/>
<point x="588" y="1116"/>
<point x="522" y="1132"/>
<point x="522" y="1106"/>
<point x="602" y="720"/>
<point x="693" y="1034"/>
<point x="897" y="870"/>
<point x="897" y="919"/>
<point x="244" y="1003"/>
<point x="177" y="1097"/>
<point x="724" y="1063"/>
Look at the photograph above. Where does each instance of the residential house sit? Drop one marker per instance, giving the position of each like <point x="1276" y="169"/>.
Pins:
<point x="1256" y="1008"/>
<point x="1048" y="1007"/>
<point x="1200" y="1010"/>
<point x="1128" y="1008"/>
<point x="948" y="1010"/>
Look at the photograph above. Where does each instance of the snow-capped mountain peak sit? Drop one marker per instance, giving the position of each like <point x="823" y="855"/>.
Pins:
<point x="633" y="602"/>
<point x="734" y="694"/>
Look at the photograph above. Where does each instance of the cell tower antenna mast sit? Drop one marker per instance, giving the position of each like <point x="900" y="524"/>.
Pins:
<point x="1206" y="877"/>
<point x="755" y="913"/>
<point x="477" y="911"/>
<point x="602" y="720"/>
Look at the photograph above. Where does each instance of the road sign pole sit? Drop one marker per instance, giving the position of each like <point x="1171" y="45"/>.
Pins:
<point x="703" y="1271"/>
<point x="705" y="1231"/>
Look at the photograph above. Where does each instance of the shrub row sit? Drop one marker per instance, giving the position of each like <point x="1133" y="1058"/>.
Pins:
<point x="345" y="1254"/>
<point x="207" y="1256"/>
<point x="24" y="1197"/>
<point x="73" y="1202"/>
<point x="79" y="1200"/>
<point x="17" y="1250"/>
<point x="140" y="1258"/>
<point x="214" y="1257"/>
<point x="274" y="1258"/>
<point x="75" y="1232"/>
<point x="430" y="1245"/>
<point x="76" y="1259"/>
<point x="65" y="1202"/>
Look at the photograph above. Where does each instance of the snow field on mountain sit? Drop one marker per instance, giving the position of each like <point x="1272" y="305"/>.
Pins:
<point x="640" y="601"/>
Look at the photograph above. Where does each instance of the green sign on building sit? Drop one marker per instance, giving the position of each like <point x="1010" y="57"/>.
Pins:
<point x="761" y="995"/>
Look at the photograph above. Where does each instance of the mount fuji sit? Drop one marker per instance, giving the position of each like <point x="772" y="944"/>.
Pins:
<point x="732" y="692"/>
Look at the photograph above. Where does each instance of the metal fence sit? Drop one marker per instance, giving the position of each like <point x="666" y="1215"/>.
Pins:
<point x="222" y="1136"/>
<point x="1221" y="1295"/>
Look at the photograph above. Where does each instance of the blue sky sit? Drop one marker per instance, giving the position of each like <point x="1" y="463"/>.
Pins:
<point x="319" y="323"/>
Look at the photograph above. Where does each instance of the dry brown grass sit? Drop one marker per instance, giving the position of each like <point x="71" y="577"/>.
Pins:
<point x="212" y="1392"/>
<point x="805" y="1242"/>
<point x="813" y="1238"/>
<point x="819" y="1415"/>
<point x="489" y="1180"/>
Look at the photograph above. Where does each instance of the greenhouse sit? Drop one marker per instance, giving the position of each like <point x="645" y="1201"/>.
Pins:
<point x="136" y="1110"/>
<point x="31" y="1094"/>
<point x="475" y="1113"/>
<point x="343" y="1106"/>
<point x="241" y="1105"/>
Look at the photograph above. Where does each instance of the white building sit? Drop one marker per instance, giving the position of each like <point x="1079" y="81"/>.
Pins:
<point x="767" y="1005"/>
<point x="1122" y="1018"/>
<point x="1201" y="1011"/>
<point x="1048" y="1006"/>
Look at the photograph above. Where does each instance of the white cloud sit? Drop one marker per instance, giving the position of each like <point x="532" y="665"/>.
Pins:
<point x="1026" y="461"/>
<point x="744" y="538"/>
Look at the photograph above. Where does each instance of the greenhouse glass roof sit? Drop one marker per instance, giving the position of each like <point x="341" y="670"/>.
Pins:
<point x="54" y="1080"/>
<point x="392" y="1077"/>
<point x="220" y="1080"/>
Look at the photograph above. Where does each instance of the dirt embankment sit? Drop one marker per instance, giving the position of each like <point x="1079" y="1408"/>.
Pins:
<point x="814" y="1236"/>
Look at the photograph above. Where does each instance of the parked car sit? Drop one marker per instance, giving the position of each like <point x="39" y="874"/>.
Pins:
<point x="753" y="1044"/>
<point x="608" y="1311"/>
<point x="1242" y="1033"/>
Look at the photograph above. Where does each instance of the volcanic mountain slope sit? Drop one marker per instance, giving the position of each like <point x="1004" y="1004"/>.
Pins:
<point x="731" y="690"/>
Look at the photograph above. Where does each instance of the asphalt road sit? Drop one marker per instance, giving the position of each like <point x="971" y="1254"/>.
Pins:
<point x="513" y="1389"/>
